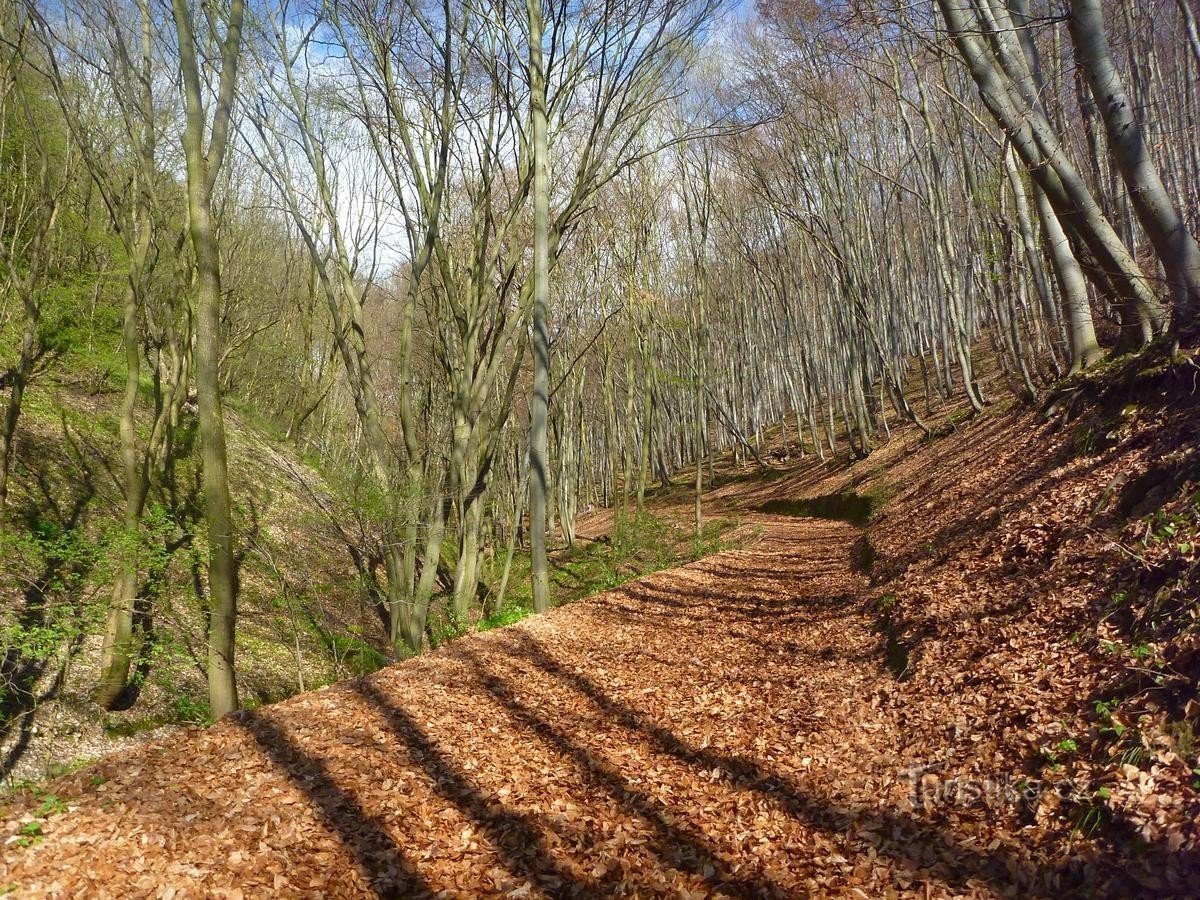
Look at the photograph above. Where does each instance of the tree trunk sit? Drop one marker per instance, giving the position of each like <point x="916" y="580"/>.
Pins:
<point x="18" y="376"/>
<point x="202" y="170"/>
<point x="1085" y="350"/>
<point x="1177" y="250"/>
<point x="539" y="468"/>
<point x="117" y="650"/>
<point x="1043" y="155"/>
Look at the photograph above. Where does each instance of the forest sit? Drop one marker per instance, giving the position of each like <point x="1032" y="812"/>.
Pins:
<point x="600" y="448"/>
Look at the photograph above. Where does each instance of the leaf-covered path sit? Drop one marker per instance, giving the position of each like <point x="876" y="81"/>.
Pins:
<point x="727" y="728"/>
<point x="706" y="730"/>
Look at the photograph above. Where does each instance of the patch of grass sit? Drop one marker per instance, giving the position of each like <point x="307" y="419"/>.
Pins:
<point x="506" y="616"/>
<point x="48" y="805"/>
<point x="355" y="654"/>
<point x="1083" y="442"/>
<point x="57" y="770"/>
<point x="1142" y="652"/>
<point x="29" y="833"/>
<point x="846" y="506"/>
<point x="191" y="711"/>
<point x="347" y="651"/>
<point x="1109" y="723"/>
<point x="713" y="538"/>
<point x="184" y="709"/>
<point x="51" y="805"/>
<point x="637" y="546"/>
<point x="443" y="626"/>
<point x="1091" y="817"/>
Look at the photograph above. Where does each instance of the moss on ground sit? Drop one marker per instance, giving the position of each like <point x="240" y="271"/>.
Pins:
<point x="845" y="506"/>
<point x="637" y="546"/>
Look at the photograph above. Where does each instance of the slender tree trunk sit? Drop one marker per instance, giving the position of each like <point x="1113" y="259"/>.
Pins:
<point x="1189" y="24"/>
<point x="202" y="170"/>
<point x="218" y="513"/>
<point x="1025" y="227"/>
<point x="1177" y="250"/>
<point x="1085" y="350"/>
<point x="539" y="468"/>
<point x="28" y="288"/>
<point x="1049" y="166"/>
<point x="117" y="650"/>
<point x="647" y="436"/>
<point x="513" y="531"/>
<point x="18" y="376"/>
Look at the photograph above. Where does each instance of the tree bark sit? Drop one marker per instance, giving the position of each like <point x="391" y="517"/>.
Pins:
<point x="1177" y="250"/>
<point x="539" y="469"/>
<point x="1081" y="331"/>
<point x="116" y="653"/>
<point x="202" y="170"/>
<point x="1043" y="155"/>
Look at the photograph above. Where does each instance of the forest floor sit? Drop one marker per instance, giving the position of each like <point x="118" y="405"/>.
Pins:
<point x="987" y="689"/>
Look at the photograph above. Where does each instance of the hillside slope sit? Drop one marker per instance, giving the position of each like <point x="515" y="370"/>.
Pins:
<point x="311" y="573"/>
<point x="300" y="595"/>
<point x="988" y="690"/>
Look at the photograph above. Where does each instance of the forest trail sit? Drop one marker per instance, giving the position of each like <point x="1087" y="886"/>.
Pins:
<point x="731" y="727"/>
<point x="307" y="309"/>
<point x="703" y="731"/>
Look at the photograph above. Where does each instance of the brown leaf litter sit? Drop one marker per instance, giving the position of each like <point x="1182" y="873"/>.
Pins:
<point x="727" y="728"/>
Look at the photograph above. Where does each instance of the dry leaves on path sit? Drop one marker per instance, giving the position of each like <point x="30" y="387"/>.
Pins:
<point x="727" y="728"/>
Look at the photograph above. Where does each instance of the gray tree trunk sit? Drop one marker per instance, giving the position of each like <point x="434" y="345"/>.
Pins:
<point x="202" y="170"/>
<point x="539" y="468"/>
<point x="1049" y="166"/>
<point x="1085" y="350"/>
<point x="1177" y="250"/>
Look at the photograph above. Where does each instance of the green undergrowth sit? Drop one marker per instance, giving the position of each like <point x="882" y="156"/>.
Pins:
<point x="637" y="546"/>
<point x="845" y="506"/>
<point x="59" y="550"/>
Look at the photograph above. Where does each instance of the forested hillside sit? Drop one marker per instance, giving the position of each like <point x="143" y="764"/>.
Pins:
<point x="332" y="331"/>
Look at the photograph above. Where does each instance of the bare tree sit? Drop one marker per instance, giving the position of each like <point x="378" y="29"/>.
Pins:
<point x="204" y="160"/>
<point x="1176" y="247"/>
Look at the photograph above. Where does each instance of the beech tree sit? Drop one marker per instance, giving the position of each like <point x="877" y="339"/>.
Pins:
<point x="40" y="166"/>
<point x="1176" y="247"/>
<point x="106" y="55"/>
<point x="205" y="141"/>
<point x="484" y="265"/>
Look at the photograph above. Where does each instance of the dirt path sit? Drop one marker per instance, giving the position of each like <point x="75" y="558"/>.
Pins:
<point x="709" y="730"/>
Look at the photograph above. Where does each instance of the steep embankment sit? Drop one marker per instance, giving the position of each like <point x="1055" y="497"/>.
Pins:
<point x="1000" y="701"/>
<point x="302" y="623"/>
<point x="309" y="558"/>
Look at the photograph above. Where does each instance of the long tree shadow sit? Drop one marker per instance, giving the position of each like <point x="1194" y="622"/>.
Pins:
<point x="919" y="844"/>
<point x="517" y="838"/>
<point x="678" y="846"/>
<point x="380" y="858"/>
<point x="743" y="618"/>
<point x="702" y="601"/>
<point x="970" y="520"/>
<point x="751" y="638"/>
